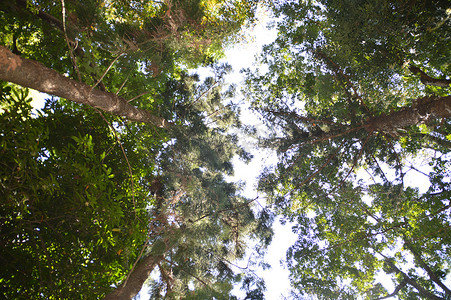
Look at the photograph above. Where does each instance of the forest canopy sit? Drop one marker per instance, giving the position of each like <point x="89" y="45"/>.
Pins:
<point x="125" y="171"/>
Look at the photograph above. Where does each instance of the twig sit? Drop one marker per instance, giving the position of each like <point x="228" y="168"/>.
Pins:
<point x="126" y="158"/>
<point x="74" y="61"/>
<point x="182" y="269"/>
<point x="122" y="85"/>
<point x="227" y="209"/>
<point x="140" y="95"/>
<point x="136" y="262"/>
<point x="107" y="70"/>
<point x="346" y="77"/>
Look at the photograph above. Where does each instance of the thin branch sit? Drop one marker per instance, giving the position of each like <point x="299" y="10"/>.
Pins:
<point x="425" y="293"/>
<point x="203" y="94"/>
<point x="327" y="137"/>
<point x="107" y="70"/>
<point x="224" y="210"/>
<point x="320" y="168"/>
<point x="189" y="273"/>
<point x="354" y="164"/>
<point x="140" y="95"/>
<point x="346" y="77"/>
<point x="297" y="116"/>
<point x="125" y="156"/>
<point x="74" y="60"/>
<point x="426" y="267"/>
<point x="396" y="291"/>
<point x="398" y="160"/>
<point x="122" y="85"/>
<point x="378" y="165"/>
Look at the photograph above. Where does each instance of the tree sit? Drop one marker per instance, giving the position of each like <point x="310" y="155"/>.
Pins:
<point x="68" y="209"/>
<point x="96" y="201"/>
<point x="356" y="86"/>
<point x="114" y="45"/>
<point x="172" y="210"/>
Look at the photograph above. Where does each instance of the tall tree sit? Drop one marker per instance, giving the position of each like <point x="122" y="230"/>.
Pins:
<point x="123" y="209"/>
<point x="360" y="86"/>
<point x="95" y="201"/>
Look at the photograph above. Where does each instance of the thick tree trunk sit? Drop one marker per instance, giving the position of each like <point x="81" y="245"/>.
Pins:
<point x="130" y="288"/>
<point x="422" y="111"/>
<point x="32" y="74"/>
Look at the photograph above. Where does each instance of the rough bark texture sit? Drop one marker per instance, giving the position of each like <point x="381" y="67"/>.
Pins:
<point x="421" y="111"/>
<point x="136" y="279"/>
<point x="32" y="74"/>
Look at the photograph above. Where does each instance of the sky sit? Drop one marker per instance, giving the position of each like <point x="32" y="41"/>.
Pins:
<point x="243" y="56"/>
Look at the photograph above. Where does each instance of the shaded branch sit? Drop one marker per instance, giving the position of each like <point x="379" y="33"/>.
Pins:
<point x="428" y="80"/>
<point x="423" y="292"/>
<point x="425" y="267"/>
<point x="396" y="291"/>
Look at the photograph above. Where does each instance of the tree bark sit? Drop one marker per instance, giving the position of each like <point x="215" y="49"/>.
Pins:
<point x="422" y="111"/>
<point x="428" y="80"/>
<point x="130" y="288"/>
<point x="34" y="75"/>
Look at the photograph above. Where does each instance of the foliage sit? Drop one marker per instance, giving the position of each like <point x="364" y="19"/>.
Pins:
<point x="89" y="196"/>
<point x="66" y="213"/>
<point x="338" y="74"/>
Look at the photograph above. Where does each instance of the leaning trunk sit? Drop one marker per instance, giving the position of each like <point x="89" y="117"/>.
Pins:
<point x="422" y="111"/>
<point x="131" y="287"/>
<point x="34" y="75"/>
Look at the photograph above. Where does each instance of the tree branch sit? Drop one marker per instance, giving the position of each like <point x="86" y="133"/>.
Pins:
<point x="396" y="291"/>
<point x="425" y="293"/>
<point x="425" y="267"/>
<point x="422" y="110"/>
<point x="427" y="80"/>
<point x="34" y="75"/>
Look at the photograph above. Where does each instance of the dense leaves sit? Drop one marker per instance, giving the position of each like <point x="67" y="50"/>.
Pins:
<point x="350" y="92"/>
<point x="92" y="203"/>
<point x="64" y="203"/>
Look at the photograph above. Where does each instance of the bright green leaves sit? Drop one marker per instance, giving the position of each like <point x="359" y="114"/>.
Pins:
<point x="62" y="204"/>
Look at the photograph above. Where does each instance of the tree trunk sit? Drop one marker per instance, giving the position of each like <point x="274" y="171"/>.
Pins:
<point x="422" y="111"/>
<point x="34" y="75"/>
<point x="130" y="288"/>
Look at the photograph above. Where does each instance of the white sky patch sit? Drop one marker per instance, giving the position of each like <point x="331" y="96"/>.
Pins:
<point x="243" y="56"/>
<point x="38" y="101"/>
